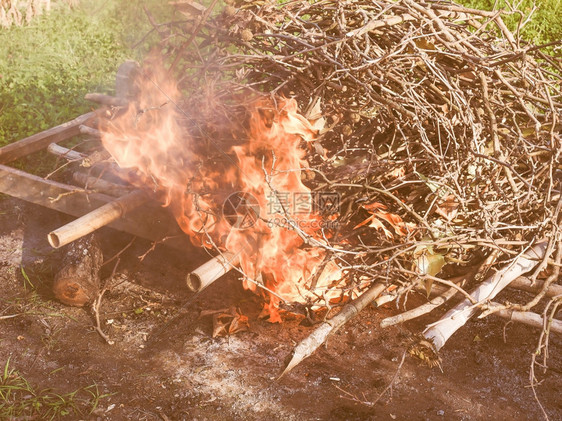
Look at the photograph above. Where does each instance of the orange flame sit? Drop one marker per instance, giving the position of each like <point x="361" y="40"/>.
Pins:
<point x="151" y="137"/>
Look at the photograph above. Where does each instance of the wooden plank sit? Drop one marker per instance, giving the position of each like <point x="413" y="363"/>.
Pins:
<point x="151" y="222"/>
<point x="41" y="140"/>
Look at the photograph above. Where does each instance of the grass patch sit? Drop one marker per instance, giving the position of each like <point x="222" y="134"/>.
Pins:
<point x="48" y="65"/>
<point x="20" y="400"/>
<point x="544" y="25"/>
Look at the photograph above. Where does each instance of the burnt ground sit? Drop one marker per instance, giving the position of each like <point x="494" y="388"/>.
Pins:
<point x="186" y="374"/>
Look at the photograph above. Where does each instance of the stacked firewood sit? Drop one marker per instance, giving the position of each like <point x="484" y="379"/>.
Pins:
<point x="15" y="12"/>
<point x="438" y="129"/>
<point x="441" y="134"/>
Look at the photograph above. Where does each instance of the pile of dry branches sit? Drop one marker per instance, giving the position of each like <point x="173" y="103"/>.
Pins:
<point x="441" y="134"/>
<point x="14" y="12"/>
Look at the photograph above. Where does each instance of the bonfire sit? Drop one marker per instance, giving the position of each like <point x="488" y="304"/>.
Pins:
<point x="363" y="151"/>
<point x="337" y="154"/>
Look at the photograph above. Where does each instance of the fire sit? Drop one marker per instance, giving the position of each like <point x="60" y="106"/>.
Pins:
<point x="278" y="234"/>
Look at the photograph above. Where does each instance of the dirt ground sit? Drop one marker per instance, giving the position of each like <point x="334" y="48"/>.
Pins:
<point x="185" y="374"/>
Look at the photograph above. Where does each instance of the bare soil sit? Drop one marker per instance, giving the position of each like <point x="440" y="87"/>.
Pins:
<point x="185" y="374"/>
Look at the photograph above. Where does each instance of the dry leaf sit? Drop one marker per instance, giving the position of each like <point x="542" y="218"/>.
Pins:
<point x="428" y="262"/>
<point x="373" y="206"/>
<point x="227" y="321"/>
<point x="189" y="8"/>
<point x="397" y="173"/>
<point x="396" y="222"/>
<point x="448" y="208"/>
<point x="375" y="223"/>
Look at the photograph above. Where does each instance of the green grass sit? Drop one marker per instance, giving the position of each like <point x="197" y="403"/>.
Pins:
<point x="32" y="299"/>
<point x="48" y="65"/>
<point x="20" y="400"/>
<point x="544" y="26"/>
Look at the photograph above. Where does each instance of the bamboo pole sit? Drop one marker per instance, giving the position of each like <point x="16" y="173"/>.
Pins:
<point x="151" y="222"/>
<point x="443" y="296"/>
<point x="522" y="283"/>
<point x="96" y="219"/>
<point x="210" y="271"/>
<point x="421" y="310"/>
<point x="440" y="331"/>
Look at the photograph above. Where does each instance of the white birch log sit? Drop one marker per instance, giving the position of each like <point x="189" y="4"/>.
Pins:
<point x="531" y="319"/>
<point x="440" y="331"/>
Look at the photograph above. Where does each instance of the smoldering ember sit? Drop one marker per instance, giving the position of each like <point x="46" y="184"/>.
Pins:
<point x="385" y="168"/>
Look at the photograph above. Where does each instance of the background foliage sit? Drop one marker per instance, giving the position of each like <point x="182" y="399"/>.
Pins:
<point x="544" y="25"/>
<point x="48" y="64"/>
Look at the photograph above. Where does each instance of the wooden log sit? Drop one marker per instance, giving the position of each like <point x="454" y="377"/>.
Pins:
<point x="438" y="333"/>
<point x="100" y="184"/>
<point x="65" y="153"/>
<point x="312" y="342"/>
<point x="209" y="272"/>
<point x="96" y="219"/>
<point x="41" y="140"/>
<point x="126" y="80"/>
<point x="529" y="318"/>
<point x="97" y="157"/>
<point x="525" y="284"/>
<point x="106" y="99"/>
<point x="89" y="131"/>
<point x="77" y="282"/>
